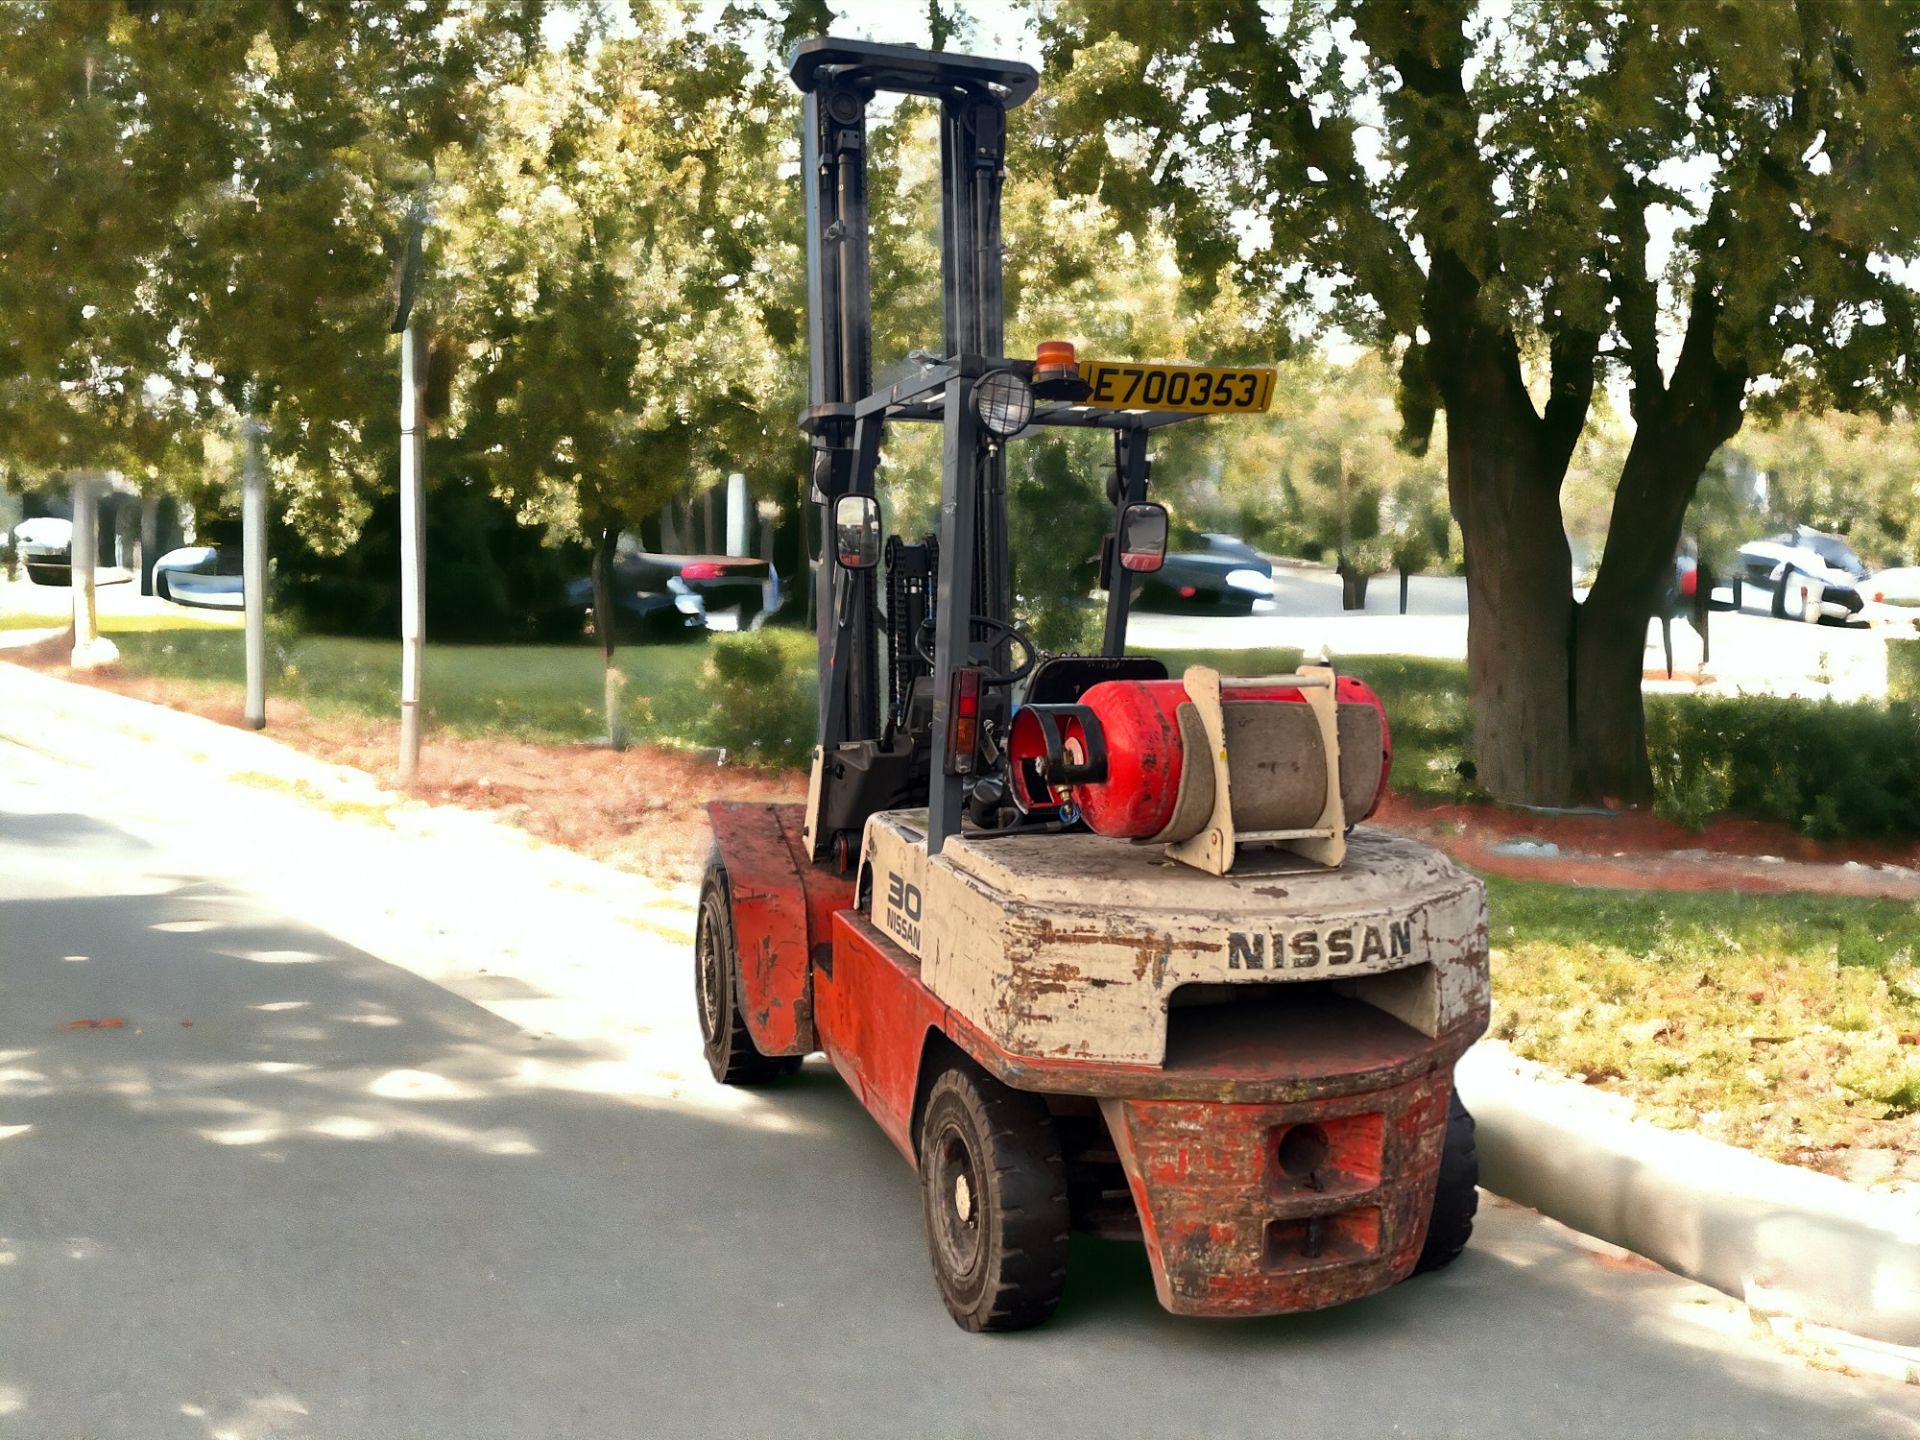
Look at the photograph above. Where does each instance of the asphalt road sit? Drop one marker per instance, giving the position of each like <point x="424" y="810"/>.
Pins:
<point x="305" y="1191"/>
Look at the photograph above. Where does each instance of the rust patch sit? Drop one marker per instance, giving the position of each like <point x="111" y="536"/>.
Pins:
<point x="1231" y="1232"/>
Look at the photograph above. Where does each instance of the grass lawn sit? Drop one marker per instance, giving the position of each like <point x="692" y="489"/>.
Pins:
<point x="117" y="624"/>
<point x="1774" y="1022"/>
<point x="539" y="693"/>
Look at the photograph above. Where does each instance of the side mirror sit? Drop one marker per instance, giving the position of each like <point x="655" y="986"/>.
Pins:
<point x="1143" y="538"/>
<point x="856" y="532"/>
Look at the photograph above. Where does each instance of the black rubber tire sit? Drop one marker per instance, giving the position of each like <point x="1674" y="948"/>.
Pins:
<point x="1456" y="1198"/>
<point x="998" y="1240"/>
<point x="1779" y="603"/>
<point x="731" y="1054"/>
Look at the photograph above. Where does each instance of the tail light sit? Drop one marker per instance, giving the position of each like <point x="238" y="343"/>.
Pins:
<point x="963" y="733"/>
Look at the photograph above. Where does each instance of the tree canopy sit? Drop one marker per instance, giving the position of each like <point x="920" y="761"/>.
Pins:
<point x="1698" y="204"/>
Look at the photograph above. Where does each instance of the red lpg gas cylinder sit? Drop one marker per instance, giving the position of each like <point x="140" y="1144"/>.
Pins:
<point x="1145" y="753"/>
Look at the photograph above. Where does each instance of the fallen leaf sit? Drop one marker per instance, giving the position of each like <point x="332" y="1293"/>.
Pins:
<point x="1912" y="1037"/>
<point x="111" y="1022"/>
<point x="1626" y="1260"/>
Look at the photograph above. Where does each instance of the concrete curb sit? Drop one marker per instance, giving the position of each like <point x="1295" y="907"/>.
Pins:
<point x="1786" y="1240"/>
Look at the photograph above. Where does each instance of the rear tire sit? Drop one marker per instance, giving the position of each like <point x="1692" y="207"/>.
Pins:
<point x="994" y="1194"/>
<point x="1456" y="1198"/>
<point x="731" y="1054"/>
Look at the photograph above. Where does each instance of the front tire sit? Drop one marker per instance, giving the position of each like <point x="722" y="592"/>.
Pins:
<point x="731" y="1054"/>
<point x="1456" y="1197"/>
<point x="994" y="1193"/>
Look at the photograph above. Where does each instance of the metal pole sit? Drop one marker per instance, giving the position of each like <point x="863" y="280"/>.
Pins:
<point x="83" y="551"/>
<point x="739" y="511"/>
<point x="253" y="570"/>
<point x="413" y="515"/>
<point x="959" y="513"/>
<point x="1130" y="473"/>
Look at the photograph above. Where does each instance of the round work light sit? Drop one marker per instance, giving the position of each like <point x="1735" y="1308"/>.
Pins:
<point x="1004" y="401"/>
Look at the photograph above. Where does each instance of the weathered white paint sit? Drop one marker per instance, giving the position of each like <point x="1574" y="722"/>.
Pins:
<point x="1072" y="945"/>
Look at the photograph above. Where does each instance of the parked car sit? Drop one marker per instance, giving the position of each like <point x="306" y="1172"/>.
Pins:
<point x="1893" y="597"/>
<point x="657" y="594"/>
<point x="1212" y="542"/>
<point x="670" y="613"/>
<point x="736" y="586"/>
<point x="1213" y="572"/>
<point x="45" y="547"/>
<point x="1809" y="574"/>
<point x="204" y="576"/>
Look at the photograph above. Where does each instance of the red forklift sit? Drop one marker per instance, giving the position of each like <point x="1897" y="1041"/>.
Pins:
<point x="1097" y="947"/>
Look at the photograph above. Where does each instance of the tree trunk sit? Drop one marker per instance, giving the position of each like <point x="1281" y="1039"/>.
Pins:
<point x="1657" y="482"/>
<point x="149" y="550"/>
<point x="1519" y="604"/>
<point x="604" y="623"/>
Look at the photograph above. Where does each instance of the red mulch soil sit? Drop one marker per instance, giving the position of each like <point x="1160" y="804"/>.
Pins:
<point x="1635" y="849"/>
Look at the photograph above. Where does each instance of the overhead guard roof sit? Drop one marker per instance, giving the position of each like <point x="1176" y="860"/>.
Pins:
<point x="910" y="70"/>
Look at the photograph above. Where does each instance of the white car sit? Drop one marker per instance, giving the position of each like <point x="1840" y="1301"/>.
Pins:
<point x="199" y="575"/>
<point x="1893" y="597"/>
<point x="1811" y="576"/>
<point x="45" y="547"/>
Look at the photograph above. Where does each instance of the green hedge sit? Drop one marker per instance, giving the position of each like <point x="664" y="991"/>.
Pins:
<point x="1825" y="768"/>
<point x="1903" y="670"/>
<point x="757" y="699"/>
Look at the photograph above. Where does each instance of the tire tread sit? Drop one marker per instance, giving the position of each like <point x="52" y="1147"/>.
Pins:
<point x="1028" y="1177"/>
<point x="731" y="1055"/>
<point x="1456" y="1195"/>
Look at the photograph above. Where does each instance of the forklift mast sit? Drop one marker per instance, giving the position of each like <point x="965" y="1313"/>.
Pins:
<point x="863" y="767"/>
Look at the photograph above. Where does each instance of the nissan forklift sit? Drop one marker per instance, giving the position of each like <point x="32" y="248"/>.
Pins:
<point x="1098" y="948"/>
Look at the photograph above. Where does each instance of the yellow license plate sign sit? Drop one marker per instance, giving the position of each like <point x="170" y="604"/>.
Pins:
<point x="1191" y="389"/>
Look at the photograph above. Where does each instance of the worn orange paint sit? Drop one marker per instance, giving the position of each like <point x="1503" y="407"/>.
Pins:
<point x="1230" y="1233"/>
<point x="874" y="1018"/>
<point x="783" y="906"/>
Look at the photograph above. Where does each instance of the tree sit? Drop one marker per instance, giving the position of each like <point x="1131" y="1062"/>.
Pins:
<point x="104" y="144"/>
<point x="1700" y="204"/>
<point x="1323" y="475"/>
<point x="611" y="267"/>
<point x="200" y="215"/>
<point x="334" y="123"/>
<point x="1852" y="475"/>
